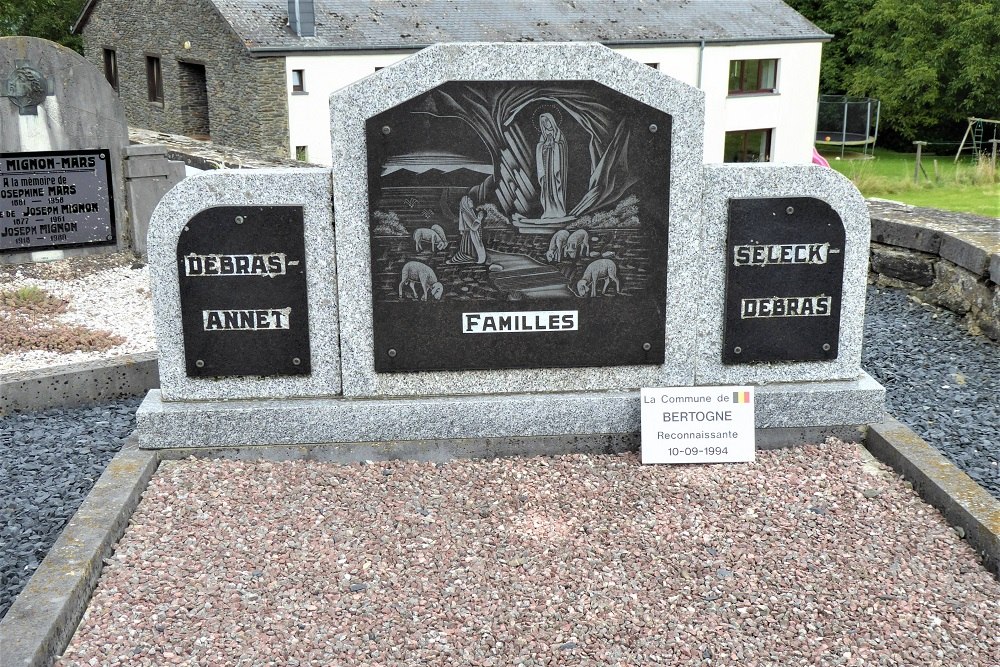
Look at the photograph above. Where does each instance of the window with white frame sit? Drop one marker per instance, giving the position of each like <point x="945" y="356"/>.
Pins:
<point x="753" y="76"/>
<point x="748" y="146"/>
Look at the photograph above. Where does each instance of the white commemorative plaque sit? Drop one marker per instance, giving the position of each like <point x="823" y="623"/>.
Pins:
<point x="698" y="425"/>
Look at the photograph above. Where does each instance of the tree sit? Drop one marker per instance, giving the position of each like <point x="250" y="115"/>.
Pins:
<point x="48" y="19"/>
<point x="932" y="63"/>
<point x="840" y="19"/>
<point x="976" y="85"/>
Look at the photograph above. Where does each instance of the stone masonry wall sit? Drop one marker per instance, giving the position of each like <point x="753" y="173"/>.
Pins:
<point x="194" y="100"/>
<point x="247" y="97"/>
<point x="949" y="259"/>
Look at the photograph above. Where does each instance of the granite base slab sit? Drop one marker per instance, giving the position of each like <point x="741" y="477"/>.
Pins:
<point x="444" y="451"/>
<point x="245" y="423"/>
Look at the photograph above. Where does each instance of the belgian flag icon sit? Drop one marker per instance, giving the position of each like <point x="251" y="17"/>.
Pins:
<point x="741" y="397"/>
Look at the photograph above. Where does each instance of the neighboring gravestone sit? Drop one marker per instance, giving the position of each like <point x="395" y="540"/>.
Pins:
<point x="525" y="236"/>
<point x="148" y="176"/>
<point x="62" y="137"/>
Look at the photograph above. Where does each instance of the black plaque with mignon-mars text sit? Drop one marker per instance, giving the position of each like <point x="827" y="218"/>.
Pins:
<point x="784" y="280"/>
<point x="244" y="311"/>
<point x="56" y="199"/>
<point x="518" y="224"/>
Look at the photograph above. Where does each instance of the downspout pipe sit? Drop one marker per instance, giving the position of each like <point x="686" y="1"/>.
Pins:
<point x="701" y="60"/>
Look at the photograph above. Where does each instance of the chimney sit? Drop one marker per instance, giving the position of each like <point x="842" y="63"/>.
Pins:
<point x="302" y="17"/>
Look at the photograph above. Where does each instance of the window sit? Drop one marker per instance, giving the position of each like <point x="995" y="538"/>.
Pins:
<point x="298" y="81"/>
<point x="302" y="153"/>
<point x="111" y="68"/>
<point x="748" y="146"/>
<point x="154" y="79"/>
<point x="653" y="65"/>
<point x="752" y="76"/>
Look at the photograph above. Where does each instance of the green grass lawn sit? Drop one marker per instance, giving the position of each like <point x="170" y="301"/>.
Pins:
<point x="968" y="186"/>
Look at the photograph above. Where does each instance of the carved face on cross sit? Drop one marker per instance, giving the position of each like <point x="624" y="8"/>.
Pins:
<point x="26" y="88"/>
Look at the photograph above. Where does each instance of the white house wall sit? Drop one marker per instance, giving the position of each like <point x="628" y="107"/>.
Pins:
<point x="790" y="112"/>
<point x="309" y="112"/>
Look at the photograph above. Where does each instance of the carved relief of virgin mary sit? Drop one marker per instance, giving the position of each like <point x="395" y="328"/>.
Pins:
<point x="551" y="156"/>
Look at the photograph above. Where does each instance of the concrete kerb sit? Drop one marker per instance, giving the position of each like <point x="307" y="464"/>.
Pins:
<point x="42" y="620"/>
<point x="442" y="450"/>
<point x="84" y="383"/>
<point x="973" y="512"/>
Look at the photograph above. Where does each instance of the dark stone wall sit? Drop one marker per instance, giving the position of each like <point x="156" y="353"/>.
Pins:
<point x="247" y="99"/>
<point x="194" y="100"/>
<point x="940" y="257"/>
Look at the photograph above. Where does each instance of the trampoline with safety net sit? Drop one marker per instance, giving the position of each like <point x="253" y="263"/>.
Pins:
<point x="848" y="122"/>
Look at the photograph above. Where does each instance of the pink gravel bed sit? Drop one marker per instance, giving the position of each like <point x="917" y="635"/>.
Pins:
<point x="808" y="556"/>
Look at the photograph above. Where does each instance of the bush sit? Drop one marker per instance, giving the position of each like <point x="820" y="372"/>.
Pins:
<point x="387" y="224"/>
<point x="624" y="215"/>
<point x="31" y="300"/>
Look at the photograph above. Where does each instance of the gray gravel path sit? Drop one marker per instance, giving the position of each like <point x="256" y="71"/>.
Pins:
<point x="941" y="382"/>
<point x="48" y="463"/>
<point x="804" y="557"/>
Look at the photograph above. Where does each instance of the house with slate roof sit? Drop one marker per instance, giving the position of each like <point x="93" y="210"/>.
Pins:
<point x="257" y="74"/>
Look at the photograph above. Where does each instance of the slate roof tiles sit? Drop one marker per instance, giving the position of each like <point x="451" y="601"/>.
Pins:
<point x="412" y="24"/>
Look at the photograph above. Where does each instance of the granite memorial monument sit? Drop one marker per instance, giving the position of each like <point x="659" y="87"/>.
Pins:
<point x="512" y="241"/>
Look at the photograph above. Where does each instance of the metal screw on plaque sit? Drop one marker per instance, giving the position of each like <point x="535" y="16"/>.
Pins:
<point x="737" y="350"/>
<point x="392" y="352"/>
<point x="386" y="129"/>
<point x="103" y="156"/>
<point x="826" y="347"/>
<point x="239" y="220"/>
<point x="647" y="347"/>
<point x="653" y="128"/>
<point x="296" y="361"/>
<point x="789" y="210"/>
<point x="108" y="237"/>
<point x="199" y="363"/>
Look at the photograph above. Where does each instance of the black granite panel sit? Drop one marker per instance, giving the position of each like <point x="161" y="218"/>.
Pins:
<point x="784" y="280"/>
<point x="56" y="199"/>
<point x="244" y="306"/>
<point x="518" y="225"/>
